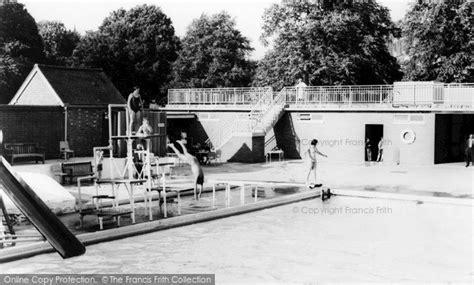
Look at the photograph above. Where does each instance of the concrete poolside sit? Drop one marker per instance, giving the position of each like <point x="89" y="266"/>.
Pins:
<point x="453" y="179"/>
<point x="445" y="180"/>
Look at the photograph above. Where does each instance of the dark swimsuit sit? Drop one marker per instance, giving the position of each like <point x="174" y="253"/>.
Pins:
<point x="135" y="104"/>
<point x="200" y="178"/>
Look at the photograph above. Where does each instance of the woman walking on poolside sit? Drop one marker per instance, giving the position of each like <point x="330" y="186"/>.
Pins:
<point x="312" y="152"/>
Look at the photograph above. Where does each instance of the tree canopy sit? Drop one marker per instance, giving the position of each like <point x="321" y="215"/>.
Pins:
<point x="214" y="54"/>
<point x="326" y="44"/>
<point x="58" y="42"/>
<point x="135" y="48"/>
<point x="439" y="41"/>
<point x="20" y="48"/>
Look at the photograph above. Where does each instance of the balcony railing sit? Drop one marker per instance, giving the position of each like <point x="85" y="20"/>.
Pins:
<point x="401" y="94"/>
<point x="218" y="96"/>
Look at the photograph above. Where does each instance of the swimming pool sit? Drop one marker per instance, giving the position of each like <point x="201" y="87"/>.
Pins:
<point x="343" y="239"/>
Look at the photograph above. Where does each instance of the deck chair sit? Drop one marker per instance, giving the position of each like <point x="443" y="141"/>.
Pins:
<point x="218" y="156"/>
<point x="212" y="157"/>
<point x="64" y="150"/>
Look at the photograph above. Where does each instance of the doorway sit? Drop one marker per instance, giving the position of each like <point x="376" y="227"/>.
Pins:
<point x="451" y="133"/>
<point x="373" y="134"/>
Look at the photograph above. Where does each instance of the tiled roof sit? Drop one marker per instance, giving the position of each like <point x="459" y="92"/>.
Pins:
<point x="80" y="86"/>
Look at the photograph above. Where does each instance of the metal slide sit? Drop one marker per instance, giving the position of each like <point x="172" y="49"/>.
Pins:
<point x="55" y="232"/>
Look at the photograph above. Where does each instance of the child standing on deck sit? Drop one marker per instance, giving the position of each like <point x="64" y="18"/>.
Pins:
<point x="99" y="157"/>
<point x="312" y="152"/>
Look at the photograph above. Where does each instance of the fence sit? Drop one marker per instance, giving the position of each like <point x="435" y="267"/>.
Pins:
<point x="206" y="96"/>
<point x="410" y="94"/>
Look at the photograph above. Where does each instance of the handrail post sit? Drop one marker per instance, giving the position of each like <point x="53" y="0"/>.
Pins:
<point x="350" y="96"/>
<point x="380" y="94"/>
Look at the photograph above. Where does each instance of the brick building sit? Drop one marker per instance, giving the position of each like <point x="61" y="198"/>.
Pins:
<point x="63" y="104"/>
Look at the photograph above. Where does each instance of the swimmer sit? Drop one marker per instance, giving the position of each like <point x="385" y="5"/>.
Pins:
<point x="312" y="152"/>
<point x="196" y="169"/>
<point x="134" y="105"/>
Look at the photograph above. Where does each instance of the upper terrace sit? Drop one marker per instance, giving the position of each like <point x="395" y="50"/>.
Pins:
<point x="422" y="96"/>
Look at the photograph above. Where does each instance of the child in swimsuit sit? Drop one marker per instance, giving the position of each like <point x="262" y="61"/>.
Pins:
<point x="312" y="152"/>
<point x="195" y="167"/>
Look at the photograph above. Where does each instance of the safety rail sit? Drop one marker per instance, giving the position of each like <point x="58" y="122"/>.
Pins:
<point x="217" y="96"/>
<point x="430" y="95"/>
<point x="338" y="94"/>
<point x="409" y="94"/>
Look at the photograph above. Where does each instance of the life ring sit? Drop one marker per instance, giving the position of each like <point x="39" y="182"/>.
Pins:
<point x="408" y="136"/>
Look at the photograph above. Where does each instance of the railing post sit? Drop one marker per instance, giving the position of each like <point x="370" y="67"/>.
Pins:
<point x="350" y="96"/>
<point x="380" y="94"/>
<point x="235" y="97"/>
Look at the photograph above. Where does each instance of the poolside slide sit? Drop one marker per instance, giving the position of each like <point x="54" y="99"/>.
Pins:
<point x="62" y="240"/>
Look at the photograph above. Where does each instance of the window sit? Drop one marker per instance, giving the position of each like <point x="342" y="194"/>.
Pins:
<point x="207" y="117"/>
<point x="308" y="117"/>
<point x="409" y="119"/>
<point x="304" y="117"/>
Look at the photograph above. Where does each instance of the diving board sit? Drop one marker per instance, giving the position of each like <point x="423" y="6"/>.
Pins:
<point x="23" y="196"/>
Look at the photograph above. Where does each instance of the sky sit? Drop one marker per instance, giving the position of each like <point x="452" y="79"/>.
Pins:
<point x="85" y="15"/>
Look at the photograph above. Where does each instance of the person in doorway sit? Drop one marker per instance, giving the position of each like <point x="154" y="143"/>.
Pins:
<point x="312" y="152"/>
<point x="380" y="146"/>
<point x="134" y="105"/>
<point x="469" y="150"/>
<point x="196" y="169"/>
<point x="368" y="150"/>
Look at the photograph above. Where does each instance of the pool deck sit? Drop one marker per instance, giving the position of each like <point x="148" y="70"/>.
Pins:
<point x="442" y="180"/>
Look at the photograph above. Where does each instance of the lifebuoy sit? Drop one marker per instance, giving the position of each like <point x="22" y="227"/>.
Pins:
<point x="408" y="136"/>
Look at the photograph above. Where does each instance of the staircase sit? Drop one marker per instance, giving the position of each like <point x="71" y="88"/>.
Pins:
<point x="231" y="127"/>
<point x="266" y="114"/>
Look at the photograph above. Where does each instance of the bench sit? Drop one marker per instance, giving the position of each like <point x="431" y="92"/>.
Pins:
<point x="76" y="169"/>
<point x="24" y="150"/>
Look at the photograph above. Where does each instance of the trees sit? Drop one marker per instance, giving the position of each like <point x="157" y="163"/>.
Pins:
<point x="326" y="43"/>
<point x="20" y="48"/>
<point x="214" y="54"/>
<point x="58" y="42"/>
<point x="439" y="41"/>
<point x="134" y="47"/>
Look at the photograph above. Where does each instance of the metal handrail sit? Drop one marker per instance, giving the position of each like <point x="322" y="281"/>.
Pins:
<point x="269" y="113"/>
<point x="414" y="94"/>
<point x="215" y="96"/>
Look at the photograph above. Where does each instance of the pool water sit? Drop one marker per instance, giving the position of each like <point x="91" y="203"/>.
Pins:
<point x="343" y="239"/>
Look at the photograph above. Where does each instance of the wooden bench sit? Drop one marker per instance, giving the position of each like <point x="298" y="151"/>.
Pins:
<point x="76" y="169"/>
<point x="24" y="150"/>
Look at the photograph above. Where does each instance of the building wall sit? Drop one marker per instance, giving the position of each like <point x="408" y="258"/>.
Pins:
<point x="42" y="125"/>
<point x="218" y="127"/>
<point x="45" y="125"/>
<point x="341" y="135"/>
<point x="87" y="128"/>
<point x="38" y="92"/>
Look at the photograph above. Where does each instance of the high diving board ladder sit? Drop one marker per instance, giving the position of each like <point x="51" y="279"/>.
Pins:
<point x="55" y="232"/>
